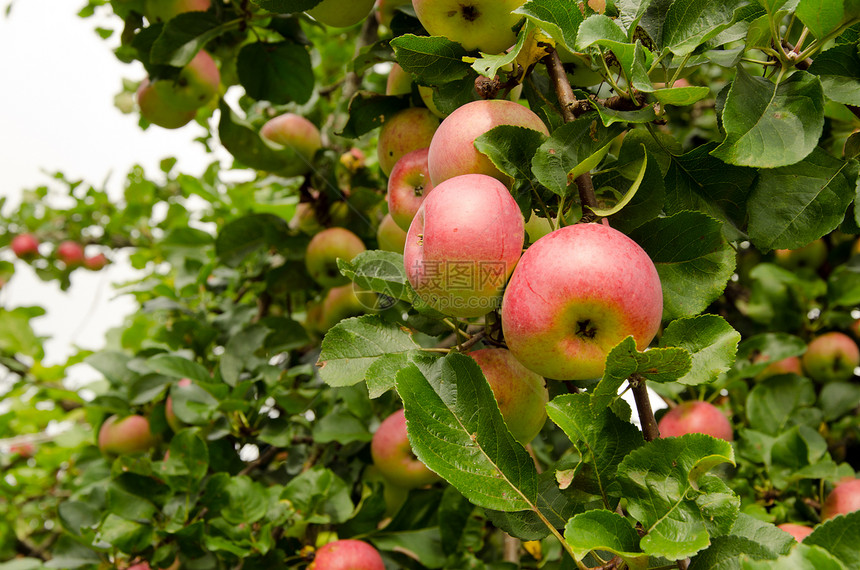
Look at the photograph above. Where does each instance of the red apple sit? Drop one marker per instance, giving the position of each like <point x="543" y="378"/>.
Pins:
<point x="174" y="422"/>
<point x="127" y="435"/>
<point x="341" y="13"/>
<point x="297" y="141"/>
<point x="71" y="253"/>
<point x="798" y="531"/>
<point x="831" y="357"/>
<point x="26" y="449"/>
<point x="164" y="10"/>
<point x="788" y="365"/>
<point x="695" y="417"/>
<point x="194" y="87"/>
<point x="25" y="246"/>
<point x="408" y="130"/>
<point x="95" y="262"/>
<point x="463" y="244"/>
<point x="452" y="150"/>
<point x="154" y="109"/>
<point x="347" y="554"/>
<point x="390" y="236"/>
<point x="521" y="394"/>
<point x="393" y="457"/>
<point x="844" y="499"/>
<point x="575" y="294"/>
<point x="408" y="185"/>
<point x="324" y="250"/>
<point x="485" y="25"/>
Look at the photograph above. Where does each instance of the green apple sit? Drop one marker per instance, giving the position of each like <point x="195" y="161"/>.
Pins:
<point x="343" y="302"/>
<point x="323" y="251"/>
<point x="408" y="130"/>
<point x="123" y="436"/>
<point x="154" y="109"/>
<point x="484" y="25"/>
<point x="296" y="139"/>
<point x="341" y="13"/>
<point x="390" y="236"/>
<point x="385" y="10"/>
<point x="393" y="457"/>
<point x="196" y="84"/>
<point x="399" y="82"/>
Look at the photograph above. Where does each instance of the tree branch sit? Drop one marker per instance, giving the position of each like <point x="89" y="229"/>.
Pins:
<point x="643" y="406"/>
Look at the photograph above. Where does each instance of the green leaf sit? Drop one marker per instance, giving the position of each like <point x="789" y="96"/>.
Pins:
<point x="646" y="204"/>
<point x="353" y="345"/>
<point x="368" y="110"/>
<point x="794" y="205"/>
<point x="178" y="367"/>
<point x="769" y="125"/>
<point x="185" y="35"/>
<point x="728" y="552"/>
<point x="511" y="149"/>
<point x="193" y="405"/>
<point x="189" y="460"/>
<point x="239" y="354"/>
<point x="843" y="285"/>
<point x="803" y="557"/>
<point x="129" y="506"/>
<point x="839" y="536"/>
<point x="488" y="65"/>
<point x="710" y="340"/>
<point x="17" y="336"/>
<point x="558" y="18"/>
<point x="763" y="533"/>
<point x="838" y="399"/>
<point x="433" y="60"/>
<point x="757" y="352"/>
<point x="839" y="71"/>
<point x="628" y="196"/>
<point x="379" y="271"/>
<point x="692" y="258"/>
<point x="320" y="496"/>
<point x="247" y="501"/>
<point x="421" y="544"/>
<point x="773" y="405"/>
<point x="600" y="30"/>
<point x="607" y="531"/>
<point x="341" y="427"/>
<point x="691" y="23"/>
<point x="243" y="236"/>
<point x="669" y="491"/>
<point x="820" y="16"/>
<point x="245" y="143"/>
<point x="455" y="428"/>
<point x="286" y="6"/>
<point x="681" y="96"/>
<point x="276" y="72"/>
<point x="125" y="535"/>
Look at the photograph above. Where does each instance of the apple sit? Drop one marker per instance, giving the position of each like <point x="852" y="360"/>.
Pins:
<point x="575" y="294"/>
<point x="195" y="85"/>
<point x="390" y="236"/>
<point x="798" y="531"/>
<point x="343" y="302"/>
<point x="426" y="93"/>
<point x="297" y="140"/>
<point x="305" y="219"/>
<point x="174" y="422"/>
<point x="831" y="357"/>
<point x="146" y="566"/>
<point x="164" y="10"/>
<point x="408" y="130"/>
<point x="408" y="185"/>
<point x="347" y="554"/>
<point x="154" y="109"/>
<point x="323" y="252"/>
<point x="463" y="245"/>
<point x="341" y="13"/>
<point x="393" y="457"/>
<point x="788" y="365"/>
<point x="844" y="499"/>
<point x="452" y="150"/>
<point x="127" y="435"/>
<point x="520" y="393"/>
<point x="26" y="449"/>
<point x="71" y="253"/>
<point x="484" y="25"/>
<point x="385" y="10"/>
<point x="695" y="417"/>
<point x="95" y="262"/>
<point x="353" y="160"/>
<point x="399" y="82"/>
<point x="25" y="246"/>
<point x="812" y="255"/>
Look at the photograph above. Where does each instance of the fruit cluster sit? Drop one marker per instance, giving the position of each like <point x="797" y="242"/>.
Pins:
<point x="71" y="253"/>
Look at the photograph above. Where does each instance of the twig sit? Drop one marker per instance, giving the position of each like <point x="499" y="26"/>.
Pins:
<point x="562" y="87"/>
<point x="643" y="406"/>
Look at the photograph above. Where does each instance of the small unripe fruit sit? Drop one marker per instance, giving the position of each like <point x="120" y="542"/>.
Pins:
<point x="25" y="246"/>
<point x="695" y="417"/>
<point x="154" y="109"/>
<point x="95" y="262"/>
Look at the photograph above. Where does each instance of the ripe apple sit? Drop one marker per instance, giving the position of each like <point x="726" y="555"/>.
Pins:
<point x="195" y="85"/>
<point x="25" y="449"/>
<point x="71" y="253"/>
<point x="484" y="25"/>
<point x="146" y="566"/>
<point x="25" y="246"/>
<point x="798" y="531"/>
<point x="393" y="457"/>
<point x="452" y="150"/>
<point x="154" y="109"/>
<point x="347" y="554"/>
<point x="695" y="417"/>
<point x="297" y="140"/>
<point x="812" y="255"/>
<point x="844" y="499"/>
<point x="341" y="13"/>
<point x="788" y="365"/>
<point x="126" y="435"/>
<point x="323" y="252"/>
<point x="521" y="394"/>
<point x="165" y="10"/>
<point x="408" y="130"/>
<point x="575" y="294"/>
<point x="831" y="357"/>
<point x="95" y="262"/>
<point x="174" y="422"/>
<point x="390" y="236"/>
<point x="408" y="185"/>
<point x="399" y="82"/>
<point x="463" y="244"/>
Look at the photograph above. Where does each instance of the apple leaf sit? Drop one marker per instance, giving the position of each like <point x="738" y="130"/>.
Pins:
<point x="804" y="556"/>
<point x="569" y="146"/>
<point x="691" y="23"/>
<point x="770" y="125"/>
<point x="455" y="428"/>
<point x="711" y="341"/>
<point x="693" y="260"/>
<point x="185" y="35"/>
<point x="760" y="532"/>
<point x="188" y="461"/>
<point x="320" y="496"/>
<point x="843" y="285"/>
<point x="368" y="110"/>
<point x="286" y="6"/>
<point x="627" y="197"/>
<point x="776" y="403"/>
<point x="634" y="58"/>
<point x="488" y="64"/>
<point x="726" y="553"/>
<point x="840" y="537"/>
<point x="178" y="367"/>
<point x="796" y="204"/>
<point x="560" y="19"/>
<point x="820" y="16"/>
<point x="601" y="437"/>
<point x="669" y="491"/>
<point x="243" y="236"/>
<point x="193" y="405"/>
<point x="839" y="71"/>
<point x="433" y="60"/>
<point x="379" y="271"/>
<point x="607" y="531"/>
<point x="681" y="96"/>
<point x="245" y="143"/>
<point x="644" y="205"/>
<point x="277" y="72"/>
<point x="511" y="149"/>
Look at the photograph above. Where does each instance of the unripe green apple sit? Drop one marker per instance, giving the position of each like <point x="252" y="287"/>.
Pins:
<point x="128" y="435"/>
<point x="341" y="13"/>
<point x="463" y="244"/>
<point x="343" y="302"/>
<point x="831" y="357"/>
<point x="695" y="417"/>
<point x="323" y="252"/>
<point x="393" y="457"/>
<point x="521" y="394"/>
<point x="25" y="246"/>
<point x="297" y="141"/>
<point x="798" y="531"/>
<point x="452" y="150"/>
<point x="71" y="253"/>
<point x="305" y="219"/>
<point x="575" y="294"/>
<point x="385" y="10"/>
<point x="390" y="236"/>
<point x="812" y="255"/>
<point x="408" y="130"/>
<point x="426" y="94"/>
<point x="484" y="25"/>
<point x="174" y="422"/>
<point x="154" y="109"/>
<point x="844" y="499"/>
<point x="195" y="85"/>
<point x="165" y="10"/>
<point x="399" y="82"/>
<point x="408" y="185"/>
<point x="347" y="554"/>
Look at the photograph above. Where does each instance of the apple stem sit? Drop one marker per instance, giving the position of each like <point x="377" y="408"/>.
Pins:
<point x="643" y="406"/>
